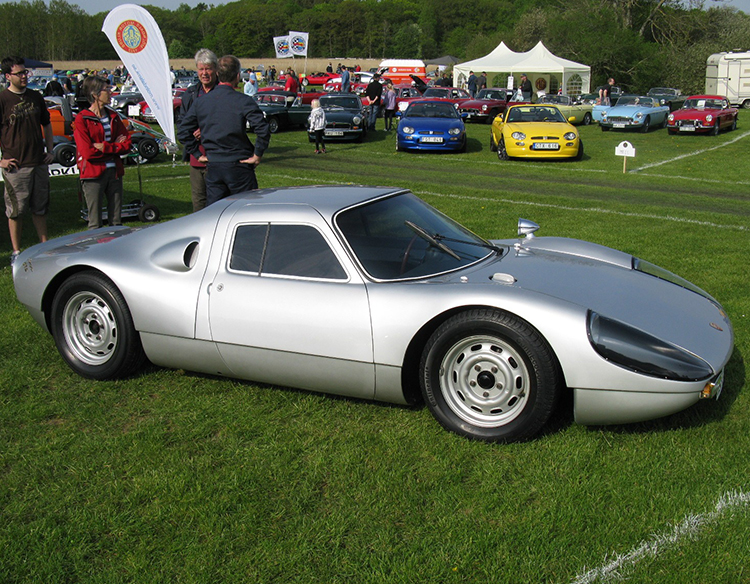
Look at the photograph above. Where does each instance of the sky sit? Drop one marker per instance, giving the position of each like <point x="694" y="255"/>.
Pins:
<point x="96" y="6"/>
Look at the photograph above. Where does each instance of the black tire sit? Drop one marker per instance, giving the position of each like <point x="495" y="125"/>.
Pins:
<point x="579" y="154"/>
<point x="715" y="130"/>
<point x="646" y="125"/>
<point x="605" y="128"/>
<point x="586" y="119"/>
<point x="273" y="124"/>
<point x="734" y="125"/>
<point x="148" y="148"/>
<point x="491" y="117"/>
<point x="493" y="146"/>
<point x="149" y="213"/>
<point x="502" y="153"/>
<point x="490" y="376"/>
<point x="464" y="146"/>
<point x="746" y="104"/>
<point x="65" y="155"/>
<point x="93" y="328"/>
<point x="671" y="132"/>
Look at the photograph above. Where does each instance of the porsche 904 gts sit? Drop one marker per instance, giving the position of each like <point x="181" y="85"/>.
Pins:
<point x="370" y="292"/>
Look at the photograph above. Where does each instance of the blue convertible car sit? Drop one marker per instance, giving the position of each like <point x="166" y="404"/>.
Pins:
<point x="634" y="111"/>
<point x="431" y="125"/>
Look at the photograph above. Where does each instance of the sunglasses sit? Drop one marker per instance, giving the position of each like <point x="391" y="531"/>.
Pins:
<point x="21" y="73"/>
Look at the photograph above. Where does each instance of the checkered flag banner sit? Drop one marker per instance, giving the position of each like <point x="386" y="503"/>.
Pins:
<point x="281" y="44"/>
<point x="298" y="42"/>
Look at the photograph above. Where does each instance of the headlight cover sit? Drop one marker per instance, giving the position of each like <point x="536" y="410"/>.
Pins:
<point x="709" y="118"/>
<point x="641" y="352"/>
<point x="518" y="136"/>
<point x="408" y="130"/>
<point x="570" y="136"/>
<point x="454" y="131"/>
<point x="356" y="120"/>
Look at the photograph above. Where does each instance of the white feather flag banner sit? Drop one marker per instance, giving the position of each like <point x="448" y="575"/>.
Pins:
<point x="298" y="42"/>
<point x="281" y="44"/>
<point x="140" y="45"/>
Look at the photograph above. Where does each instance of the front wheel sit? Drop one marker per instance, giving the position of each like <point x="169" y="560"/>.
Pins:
<point x="502" y="153"/>
<point x="93" y="328"/>
<point x="579" y="154"/>
<point x="148" y="148"/>
<point x="489" y="375"/>
<point x="273" y="125"/>
<point x="715" y="130"/>
<point x="646" y="125"/>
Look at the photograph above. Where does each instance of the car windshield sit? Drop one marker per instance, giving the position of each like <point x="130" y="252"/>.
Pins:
<point x="535" y="113"/>
<point x="661" y="91"/>
<point x="431" y="110"/>
<point x="491" y="94"/>
<point x="634" y="100"/>
<point x="437" y="92"/>
<point x="703" y="104"/>
<point x="558" y="99"/>
<point x="404" y="237"/>
<point x="339" y="102"/>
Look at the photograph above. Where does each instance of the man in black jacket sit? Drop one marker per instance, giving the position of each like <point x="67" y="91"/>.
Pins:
<point x="374" y="93"/>
<point x="221" y="115"/>
<point x="206" y="63"/>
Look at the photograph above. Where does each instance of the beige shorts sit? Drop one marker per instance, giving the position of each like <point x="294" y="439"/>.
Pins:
<point x="26" y="189"/>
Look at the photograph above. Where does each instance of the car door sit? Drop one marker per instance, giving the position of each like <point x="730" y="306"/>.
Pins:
<point x="286" y="306"/>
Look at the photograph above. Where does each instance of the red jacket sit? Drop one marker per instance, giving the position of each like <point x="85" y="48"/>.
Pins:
<point x="89" y="131"/>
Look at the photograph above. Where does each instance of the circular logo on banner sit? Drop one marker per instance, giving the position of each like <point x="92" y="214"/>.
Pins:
<point x="131" y="36"/>
<point x="282" y="47"/>
<point x="298" y="44"/>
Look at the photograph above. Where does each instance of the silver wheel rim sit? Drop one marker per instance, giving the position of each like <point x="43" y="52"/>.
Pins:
<point x="484" y="381"/>
<point x="90" y="328"/>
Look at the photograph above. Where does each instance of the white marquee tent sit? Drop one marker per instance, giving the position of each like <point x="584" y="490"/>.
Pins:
<point x="546" y="71"/>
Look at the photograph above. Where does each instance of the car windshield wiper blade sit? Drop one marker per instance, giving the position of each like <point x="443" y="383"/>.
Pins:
<point x="483" y="244"/>
<point x="432" y="240"/>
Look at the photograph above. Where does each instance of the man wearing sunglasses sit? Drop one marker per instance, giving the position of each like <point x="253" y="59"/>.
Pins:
<point x="25" y="130"/>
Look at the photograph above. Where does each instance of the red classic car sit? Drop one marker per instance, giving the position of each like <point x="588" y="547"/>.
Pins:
<point x="307" y="96"/>
<point x="488" y="103"/>
<point x="146" y="115"/>
<point x="358" y="82"/>
<point x="454" y="95"/>
<point x="703" y="113"/>
<point x="318" y="78"/>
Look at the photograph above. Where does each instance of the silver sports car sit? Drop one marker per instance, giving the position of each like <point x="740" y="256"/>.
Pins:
<point x="370" y="292"/>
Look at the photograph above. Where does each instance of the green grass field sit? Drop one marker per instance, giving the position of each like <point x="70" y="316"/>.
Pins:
<point x="177" y="477"/>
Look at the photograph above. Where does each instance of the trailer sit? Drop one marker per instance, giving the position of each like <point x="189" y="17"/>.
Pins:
<point x="728" y="74"/>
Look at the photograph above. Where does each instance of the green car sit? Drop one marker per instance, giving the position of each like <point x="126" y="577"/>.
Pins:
<point x="570" y="108"/>
<point x="283" y="110"/>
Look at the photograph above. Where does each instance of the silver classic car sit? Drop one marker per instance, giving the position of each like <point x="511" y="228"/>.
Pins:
<point x="370" y="292"/>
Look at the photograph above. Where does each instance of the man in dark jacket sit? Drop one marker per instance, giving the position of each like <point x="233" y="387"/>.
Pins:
<point x="374" y="93"/>
<point x="206" y="63"/>
<point x="222" y="115"/>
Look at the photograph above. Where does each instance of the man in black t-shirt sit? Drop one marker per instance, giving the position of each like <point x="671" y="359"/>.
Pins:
<point x="23" y="118"/>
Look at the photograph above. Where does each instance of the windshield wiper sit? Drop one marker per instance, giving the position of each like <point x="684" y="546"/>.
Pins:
<point x="432" y="240"/>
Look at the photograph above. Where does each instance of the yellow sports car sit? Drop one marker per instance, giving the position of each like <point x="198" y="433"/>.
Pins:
<point x="534" y="131"/>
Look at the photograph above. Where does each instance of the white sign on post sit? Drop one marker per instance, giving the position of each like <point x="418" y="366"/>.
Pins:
<point x="626" y="150"/>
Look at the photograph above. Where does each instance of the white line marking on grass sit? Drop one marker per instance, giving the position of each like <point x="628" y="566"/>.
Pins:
<point x="547" y="206"/>
<point x="696" y="153"/>
<point x="689" y="528"/>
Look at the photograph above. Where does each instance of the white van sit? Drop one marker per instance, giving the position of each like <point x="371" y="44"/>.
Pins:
<point x="398" y="70"/>
<point x="728" y="74"/>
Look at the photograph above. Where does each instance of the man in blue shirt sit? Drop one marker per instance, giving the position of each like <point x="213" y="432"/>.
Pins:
<point x="222" y="115"/>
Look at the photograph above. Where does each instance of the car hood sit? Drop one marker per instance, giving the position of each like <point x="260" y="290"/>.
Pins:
<point x="695" y="113"/>
<point x="433" y="123"/>
<point x="603" y="280"/>
<point x="539" y="128"/>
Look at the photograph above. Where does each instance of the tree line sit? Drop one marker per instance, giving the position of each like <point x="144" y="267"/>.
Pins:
<point x="641" y="43"/>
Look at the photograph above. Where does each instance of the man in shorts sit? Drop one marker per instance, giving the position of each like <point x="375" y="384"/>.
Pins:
<point x="23" y="120"/>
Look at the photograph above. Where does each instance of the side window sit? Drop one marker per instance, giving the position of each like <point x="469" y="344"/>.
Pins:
<point x="284" y="250"/>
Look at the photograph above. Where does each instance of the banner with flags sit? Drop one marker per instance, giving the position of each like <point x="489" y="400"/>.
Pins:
<point x="140" y="45"/>
<point x="283" y="49"/>
<point x="298" y="42"/>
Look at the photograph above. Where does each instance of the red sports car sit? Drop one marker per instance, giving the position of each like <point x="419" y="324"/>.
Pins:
<point x="488" y="103"/>
<point x="703" y="113"/>
<point x="319" y="78"/>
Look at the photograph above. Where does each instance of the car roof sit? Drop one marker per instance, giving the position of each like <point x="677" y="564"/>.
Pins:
<point x="327" y="199"/>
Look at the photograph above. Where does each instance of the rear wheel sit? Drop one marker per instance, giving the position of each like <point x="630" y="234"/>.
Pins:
<point x="149" y="213"/>
<point x="93" y="328"/>
<point x="489" y="375"/>
<point x="66" y="155"/>
<point x="586" y="119"/>
<point x="148" y="148"/>
<point x="734" y="125"/>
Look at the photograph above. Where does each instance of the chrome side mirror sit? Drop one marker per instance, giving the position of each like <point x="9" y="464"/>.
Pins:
<point x="527" y="228"/>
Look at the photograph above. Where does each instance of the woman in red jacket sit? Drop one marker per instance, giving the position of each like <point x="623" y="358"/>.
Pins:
<point x="101" y="138"/>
